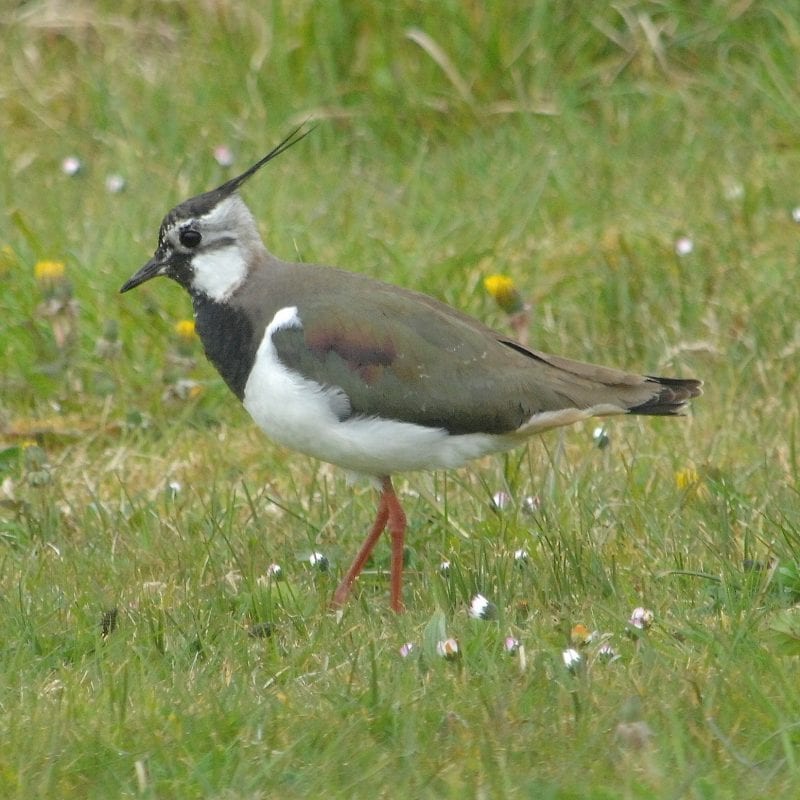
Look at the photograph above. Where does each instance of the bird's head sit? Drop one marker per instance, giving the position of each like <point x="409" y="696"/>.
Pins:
<point x="208" y="243"/>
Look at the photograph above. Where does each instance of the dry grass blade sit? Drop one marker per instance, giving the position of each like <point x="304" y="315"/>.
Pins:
<point x="78" y="19"/>
<point x="437" y="53"/>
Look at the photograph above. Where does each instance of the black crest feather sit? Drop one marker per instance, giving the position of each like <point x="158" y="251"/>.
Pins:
<point x="202" y="203"/>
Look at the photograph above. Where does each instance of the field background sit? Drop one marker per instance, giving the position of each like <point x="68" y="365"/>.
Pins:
<point x="633" y="168"/>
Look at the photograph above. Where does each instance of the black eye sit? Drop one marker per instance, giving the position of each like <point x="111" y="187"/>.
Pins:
<point x="190" y="237"/>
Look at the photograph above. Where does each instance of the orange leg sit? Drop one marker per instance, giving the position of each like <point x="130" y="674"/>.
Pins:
<point x="389" y="511"/>
<point x="343" y="589"/>
<point x="397" y="530"/>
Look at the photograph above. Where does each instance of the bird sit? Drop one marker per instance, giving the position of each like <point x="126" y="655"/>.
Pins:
<point x="366" y="375"/>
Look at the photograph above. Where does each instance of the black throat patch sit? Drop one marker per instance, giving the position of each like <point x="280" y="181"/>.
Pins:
<point x="229" y="340"/>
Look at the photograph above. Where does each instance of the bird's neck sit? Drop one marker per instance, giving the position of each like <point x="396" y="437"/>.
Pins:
<point x="228" y="338"/>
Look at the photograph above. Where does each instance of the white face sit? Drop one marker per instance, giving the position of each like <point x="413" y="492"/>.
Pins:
<point x="217" y="244"/>
<point x="219" y="273"/>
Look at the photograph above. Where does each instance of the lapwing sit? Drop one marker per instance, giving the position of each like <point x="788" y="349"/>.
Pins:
<point x="372" y="377"/>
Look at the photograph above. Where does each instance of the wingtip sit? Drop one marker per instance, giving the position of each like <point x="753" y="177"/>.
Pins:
<point x="672" y="398"/>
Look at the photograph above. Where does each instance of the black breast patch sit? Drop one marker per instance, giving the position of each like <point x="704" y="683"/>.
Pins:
<point x="229" y="339"/>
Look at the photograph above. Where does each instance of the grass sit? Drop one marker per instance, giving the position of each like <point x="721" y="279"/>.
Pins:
<point x="144" y="652"/>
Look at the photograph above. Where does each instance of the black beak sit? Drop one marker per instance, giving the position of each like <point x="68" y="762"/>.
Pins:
<point x="151" y="269"/>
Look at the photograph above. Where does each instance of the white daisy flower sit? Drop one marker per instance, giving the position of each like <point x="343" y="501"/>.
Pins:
<point x="319" y="561"/>
<point x="641" y="618"/>
<point x="448" y="649"/>
<point x="572" y="659"/>
<point x="481" y="608"/>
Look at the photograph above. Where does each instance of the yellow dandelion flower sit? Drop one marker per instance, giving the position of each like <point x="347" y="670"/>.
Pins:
<point x="687" y="478"/>
<point x="690" y="481"/>
<point x="505" y="294"/>
<point x="48" y="271"/>
<point x="185" y="330"/>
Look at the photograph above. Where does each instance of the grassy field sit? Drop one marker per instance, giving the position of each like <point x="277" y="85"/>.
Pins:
<point x="633" y="168"/>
